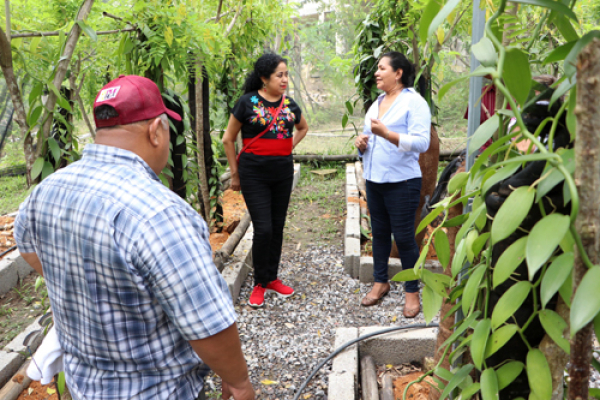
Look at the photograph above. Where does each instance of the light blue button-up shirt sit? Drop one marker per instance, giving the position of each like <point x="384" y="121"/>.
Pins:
<point x="409" y="116"/>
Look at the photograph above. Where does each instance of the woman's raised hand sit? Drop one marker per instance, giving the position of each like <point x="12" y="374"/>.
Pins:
<point x="361" y="142"/>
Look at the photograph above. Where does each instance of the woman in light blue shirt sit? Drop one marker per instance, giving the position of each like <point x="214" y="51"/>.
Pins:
<point x="397" y="129"/>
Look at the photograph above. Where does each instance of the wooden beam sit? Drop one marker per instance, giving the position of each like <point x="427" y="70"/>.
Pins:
<point x="56" y="33"/>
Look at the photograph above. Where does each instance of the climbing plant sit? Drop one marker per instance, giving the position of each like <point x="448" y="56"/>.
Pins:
<point x="512" y="271"/>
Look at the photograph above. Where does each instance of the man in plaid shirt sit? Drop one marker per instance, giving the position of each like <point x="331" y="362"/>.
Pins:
<point x="138" y="303"/>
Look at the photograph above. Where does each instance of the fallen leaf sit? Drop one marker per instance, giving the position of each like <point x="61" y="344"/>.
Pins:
<point x="357" y="290"/>
<point x="307" y="396"/>
<point x="51" y="391"/>
<point x="268" y="382"/>
<point x="389" y="366"/>
<point x="394" y="318"/>
<point x="29" y="391"/>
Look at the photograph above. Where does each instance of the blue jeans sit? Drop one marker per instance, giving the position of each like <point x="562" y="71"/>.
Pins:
<point x="393" y="207"/>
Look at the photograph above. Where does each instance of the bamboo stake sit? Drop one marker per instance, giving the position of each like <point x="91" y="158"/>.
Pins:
<point x="204" y="192"/>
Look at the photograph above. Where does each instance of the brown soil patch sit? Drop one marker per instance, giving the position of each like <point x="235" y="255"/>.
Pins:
<point x="416" y="391"/>
<point x="37" y="391"/>
<point x="353" y="199"/>
<point x="234" y="209"/>
<point x="6" y="233"/>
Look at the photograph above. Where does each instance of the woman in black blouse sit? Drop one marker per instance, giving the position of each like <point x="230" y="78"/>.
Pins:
<point x="265" y="170"/>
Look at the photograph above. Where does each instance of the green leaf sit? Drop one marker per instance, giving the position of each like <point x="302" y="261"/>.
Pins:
<point x="461" y="329"/>
<point x="64" y="103"/>
<point x="441" y="16"/>
<point x="480" y="243"/>
<point x="554" y="326"/>
<point x="499" y="337"/>
<point x="555" y="176"/>
<point x="596" y="325"/>
<point x="455" y="380"/>
<point x="34" y="116"/>
<point x="405" y="275"/>
<point x="512" y="213"/>
<point x="479" y="342"/>
<point x="459" y="258"/>
<point x="39" y="281"/>
<point x="566" y="290"/>
<point x="555" y="276"/>
<point x="563" y="88"/>
<point x="61" y="382"/>
<point x="349" y="107"/>
<point x="457" y="181"/>
<point x="456" y="221"/>
<point x="34" y="44"/>
<point x="508" y="261"/>
<point x="444" y="373"/>
<point x="571" y="59"/>
<point x="468" y="392"/>
<point x="473" y="216"/>
<point x="485" y="52"/>
<point x="483" y="133"/>
<point x="432" y="302"/>
<point x="437" y="282"/>
<point x="586" y="301"/>
<point x="552" y="5"/>
<point x="469" y="240"/>
<point x="510" y="302"/>
<point x="559" y="53"/>
<point x="442" y="247"/>
<point x="543" y="239"/>
<point x="517" y="75"/>
<point x="88" y="30"/>
<point x="508" y="373"/>
<point x="472" y="288"/>
<point x="35" y="94"/>
<point x="36" y="169"/>
<point x="430" y="217"/>
<point x="344" y="121"/>
<point x="566" y="28"/>
<point x="431" y="10"/>
<point x="54" y="148"/>
<point x="169" y="35"/>
<point x="538" y="375"/>
<point x="489" y="385"/>
<point x="47" y="169"/>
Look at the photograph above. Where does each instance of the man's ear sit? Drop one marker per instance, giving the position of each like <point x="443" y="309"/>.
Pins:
<point x="154" y="132"/>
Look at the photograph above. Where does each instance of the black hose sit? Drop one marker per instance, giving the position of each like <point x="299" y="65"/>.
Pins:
<point x="350" y="343"/>
<point x="8" y="251"/>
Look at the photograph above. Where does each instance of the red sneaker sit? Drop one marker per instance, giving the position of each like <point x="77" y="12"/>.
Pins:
<point x="277" y="287"/>
<point x="257" y="298"/>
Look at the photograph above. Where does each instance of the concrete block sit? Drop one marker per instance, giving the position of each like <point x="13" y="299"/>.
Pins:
<point x="296" y="175"/>
<point x="23" y="269"/>
<point x="9" y="365"/>
<point x="351" y="256"/>
<point x="234" y="275"/>
<point x="398" y="347"/>
<point x="343" y="379"/>
<point x="352" y="193"/>
<point x="352" y="228"/>
<point x="16" y="344"/>
<point x="9" y="275"/>
<point x="350" y="177"/>
<point x="353" y="212"/>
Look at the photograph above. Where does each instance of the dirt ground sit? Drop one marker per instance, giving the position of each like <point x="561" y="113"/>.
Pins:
<point x="6" y="233"/>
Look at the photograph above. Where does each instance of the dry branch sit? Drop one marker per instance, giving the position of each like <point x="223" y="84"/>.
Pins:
<point x="235" y="17"/>
<point x="56" y="33"/>
<point x="229" y="246"/>
<point x="15" y="386"/>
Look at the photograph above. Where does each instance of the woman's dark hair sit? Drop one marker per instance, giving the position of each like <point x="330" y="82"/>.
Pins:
<point x="263" y="67"/>
<point x="399" y="61"/>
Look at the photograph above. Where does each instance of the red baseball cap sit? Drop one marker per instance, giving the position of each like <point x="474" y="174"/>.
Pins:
<point x="134" y="98"/>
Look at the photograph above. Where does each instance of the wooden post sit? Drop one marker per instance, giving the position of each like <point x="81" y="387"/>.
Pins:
<point x="7" y="15"/>
<point x="587" y="179"/>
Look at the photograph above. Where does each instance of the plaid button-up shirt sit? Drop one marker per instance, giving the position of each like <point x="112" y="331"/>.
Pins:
<point x="130" y="277"/>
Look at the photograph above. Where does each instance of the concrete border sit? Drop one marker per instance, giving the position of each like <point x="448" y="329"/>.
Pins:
<point x="391" y="348"/>
<point x="12" y="268"/>
<point x="358" y="267"/>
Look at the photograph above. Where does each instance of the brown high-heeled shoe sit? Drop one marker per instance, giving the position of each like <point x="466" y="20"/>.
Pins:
<point x="412" y="311"/>
<point x="368" y="301"/>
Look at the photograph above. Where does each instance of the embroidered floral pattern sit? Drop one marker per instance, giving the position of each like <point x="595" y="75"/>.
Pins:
<point x="263" y="115"/>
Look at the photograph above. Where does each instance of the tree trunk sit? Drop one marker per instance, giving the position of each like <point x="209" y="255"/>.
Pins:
<point x="587" y="180"/>
<point x="204" y="192"/>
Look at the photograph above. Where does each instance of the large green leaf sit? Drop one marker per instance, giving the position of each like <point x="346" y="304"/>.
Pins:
<point x="510" y="302"/>
<point x="438" y="282"/>
<point x="456" y="379"/>
<point x="512" y="213"/>
<point x="432" y="302"/>
<point x="517" y="75"/>
<point x="34" y="115"/>
<point x="499" y="175"/>
<point x="499" y="337"/>
<point x="473" y="216"/>
<point x="586" y="301"/>
<point x="571" y="59"/>
<point x="472" y="287"/>
<point x="405" y="275"/>
<point x="538" y="375"/>
<point x="442" y="247"/>
<point x="489" y="385"/>
<point x="36" y="169"/>
<point x="431" y="10"/>
<point x="552" y="5"/>
<point x="555" y="276"/>
<point x="469" y="240"/>
<point x="554" y="326"/>
<point x="444" y="89"/>
<point x="508" y="373"/>
<point x="468" y="392"/>
<point x="483" y="133"/>
<point x="87" y="29"/>
<point x="543" y="239"/>
<point x="430" y="217"/>
<point x="480" y="242"/>
<point x="441" y="16"/>
<point x="36" y="92"/>
<point x="47" y="169"/>
<point x="485" y="52"/>
<point x="54" y="148"/>
<point x="554" y="176"/>
<point x="559" y="53"/>
<point x="458" y="259"/>
<point x="509" y="260"/>
<point x="457" y="181"/>
<point x="566" y="28"/>
<point x="479" y="342"/>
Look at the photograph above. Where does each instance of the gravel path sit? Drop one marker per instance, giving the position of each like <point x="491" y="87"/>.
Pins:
<point x="286" y="339"/>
